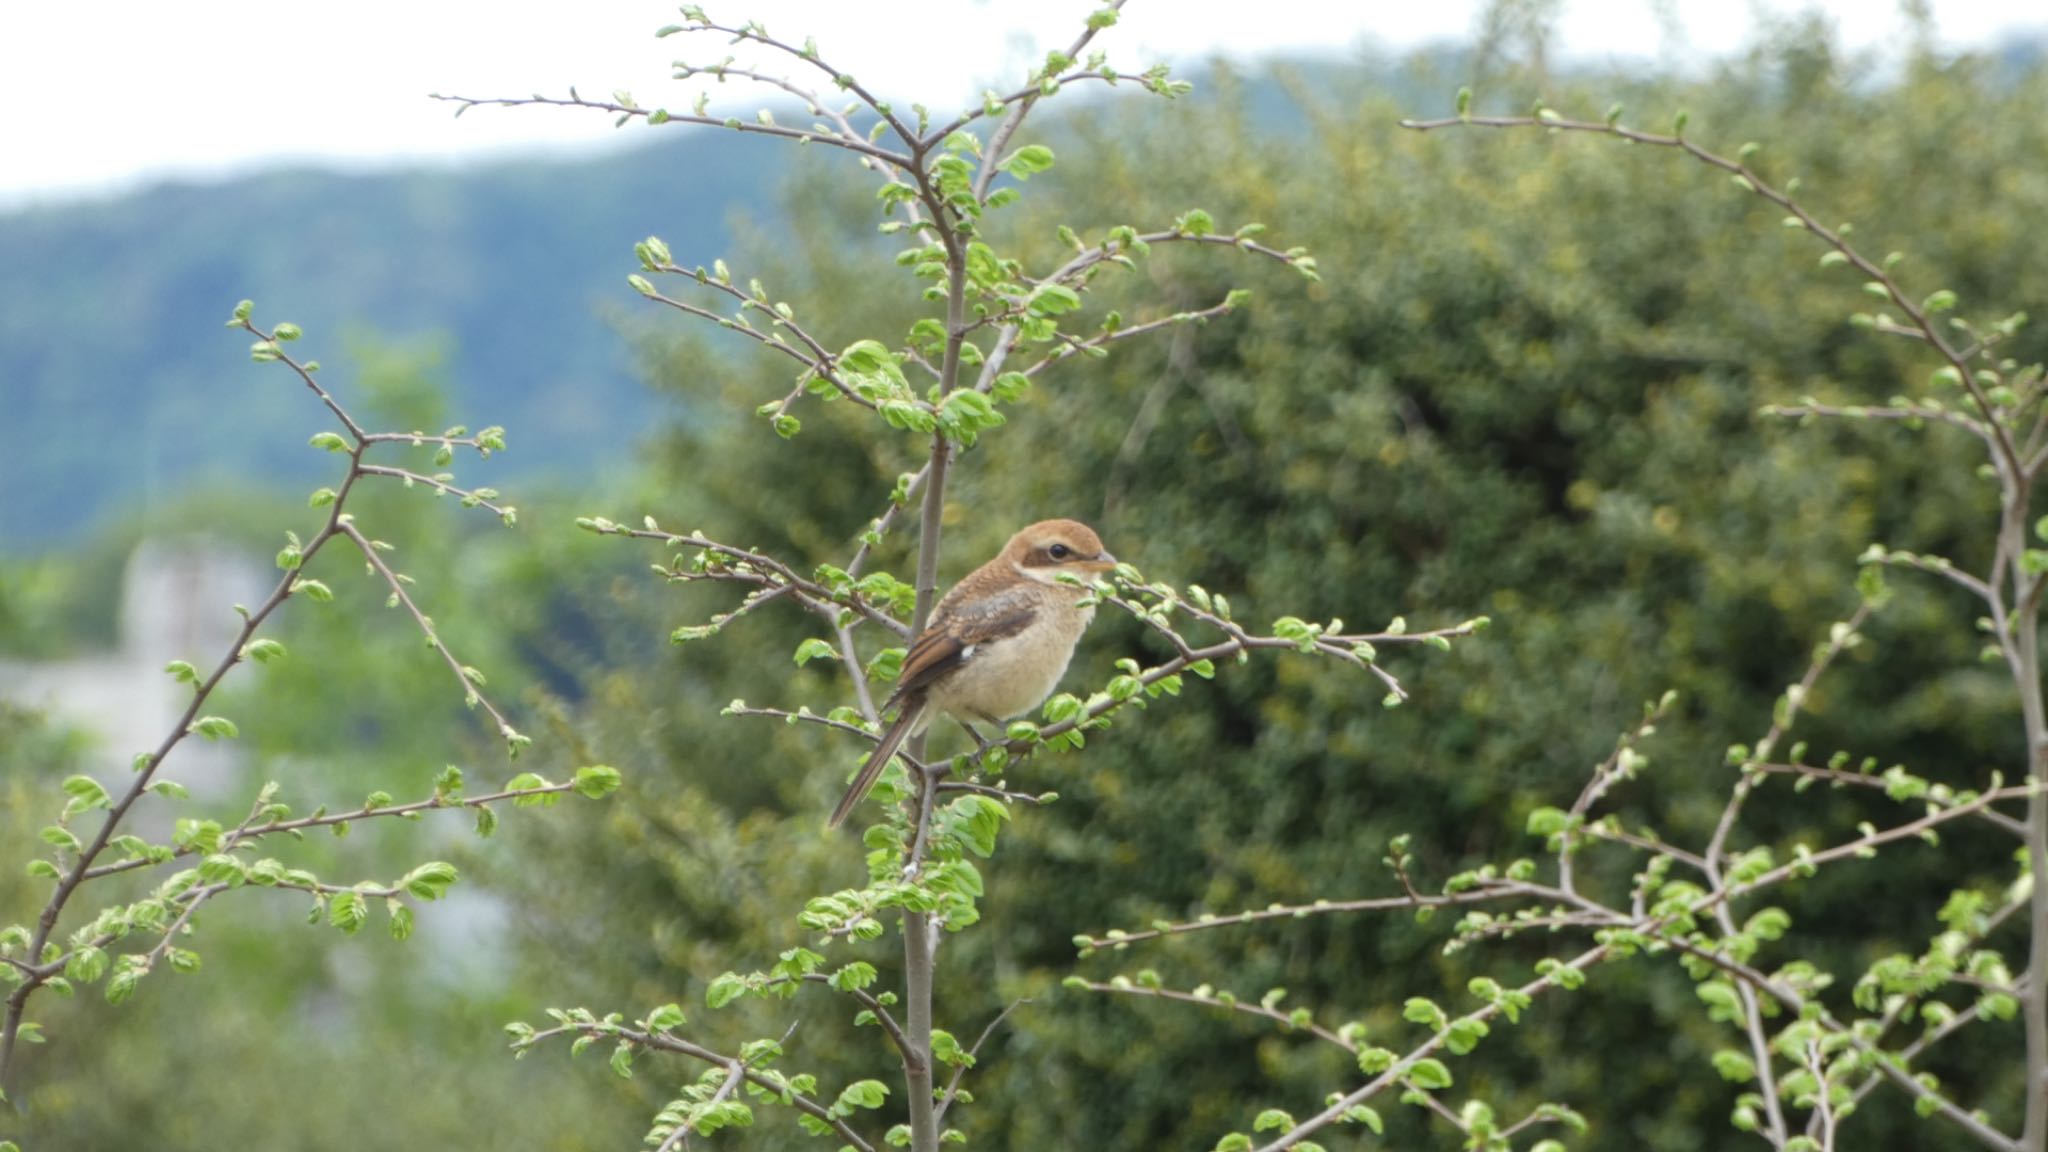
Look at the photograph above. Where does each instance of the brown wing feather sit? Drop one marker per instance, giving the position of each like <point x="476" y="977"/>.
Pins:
<point x="964" y="626"/>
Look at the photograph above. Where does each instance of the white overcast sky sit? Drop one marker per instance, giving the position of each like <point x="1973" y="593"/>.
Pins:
<point x="101" y="96"/>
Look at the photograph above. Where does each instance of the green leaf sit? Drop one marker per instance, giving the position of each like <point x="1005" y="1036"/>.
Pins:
<point x="813" y="649"/>
<point x="1273" y="1120"/>
<point x="221" y="868"/>
<point x="1720" y="999"/>
<point x="122" y="986"/>
<point x="664" y="1018"/>
<point x="869" y="356"/>
<point x="858" y="974"/>
<point x="946" y="1050"/>
<point x="727" y="988"/>
<point x="86" y="965"/>
<point x="1027" y="161"/>
<point x="1464" y="1034"/>
<point x="215" y="728"/>
<point x="527" y="782"/>
<point x="59" y="836"/>
<point x="1419" y="1010"/>
<point x="1052" y="300"/>
<point x="1734" y="1066"/>
<point x="429" y="881"/>
<point x="348" y="911"/>
<point x="331" y="441"/>
<point x="861" y="1094"/>
<point x="262" y="651"/>
<point x="597" y="780"/>
<point x="1429" y="1074"/>
<point x="86" y="793"/>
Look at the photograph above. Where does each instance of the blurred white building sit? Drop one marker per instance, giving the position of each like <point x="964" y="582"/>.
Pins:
<point x="177" y="603"/>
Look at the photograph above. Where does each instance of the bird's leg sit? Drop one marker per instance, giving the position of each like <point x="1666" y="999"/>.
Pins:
<point x="981" y="743"/>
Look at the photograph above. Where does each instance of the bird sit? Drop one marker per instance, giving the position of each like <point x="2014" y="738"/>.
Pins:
<point x="997" y="644"/>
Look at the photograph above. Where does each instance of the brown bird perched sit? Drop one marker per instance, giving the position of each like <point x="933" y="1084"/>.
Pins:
<point x="996" y="645"/>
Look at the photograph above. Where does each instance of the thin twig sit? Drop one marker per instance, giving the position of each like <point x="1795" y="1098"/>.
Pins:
<point x="259" y="831"/>
<point x="426" y="625"/>
<point x="883" y="155"/>
<point x="959" y="1070"/>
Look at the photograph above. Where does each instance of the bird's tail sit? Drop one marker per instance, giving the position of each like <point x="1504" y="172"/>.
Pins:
<point x="905" y="723"/>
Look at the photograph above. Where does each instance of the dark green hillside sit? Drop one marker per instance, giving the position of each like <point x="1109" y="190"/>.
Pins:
<point x="120" y="385"/>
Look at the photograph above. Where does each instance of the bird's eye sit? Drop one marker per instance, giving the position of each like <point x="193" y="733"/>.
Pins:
<point x="1060" y="551"/>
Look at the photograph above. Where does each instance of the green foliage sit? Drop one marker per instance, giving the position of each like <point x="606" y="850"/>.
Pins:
<point x="1492" y="402"/>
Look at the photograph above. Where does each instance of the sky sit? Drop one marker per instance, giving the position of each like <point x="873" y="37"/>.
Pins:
<point x="101" y="97"/>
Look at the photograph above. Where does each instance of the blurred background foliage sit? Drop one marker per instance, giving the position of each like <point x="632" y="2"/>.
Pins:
<point x="1527" y="387"/>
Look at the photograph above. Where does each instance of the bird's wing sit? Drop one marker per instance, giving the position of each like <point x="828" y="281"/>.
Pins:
<point x="953" y="639"/>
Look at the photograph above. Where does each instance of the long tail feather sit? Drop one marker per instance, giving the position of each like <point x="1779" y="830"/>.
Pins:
<point x="905" y="724"/>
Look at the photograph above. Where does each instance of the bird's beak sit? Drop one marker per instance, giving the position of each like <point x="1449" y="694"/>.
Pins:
<point x="1103" y="562"/>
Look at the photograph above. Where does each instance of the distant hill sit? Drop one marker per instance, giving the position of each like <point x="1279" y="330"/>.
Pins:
<point x="118" y="381"/>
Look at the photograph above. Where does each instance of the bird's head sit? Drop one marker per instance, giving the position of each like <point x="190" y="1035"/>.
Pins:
<point x="1049" y="547"/>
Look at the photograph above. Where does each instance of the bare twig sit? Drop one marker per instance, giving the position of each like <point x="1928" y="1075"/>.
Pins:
<point x="959" y="1070"/>
<point x="463" y="675"/>
<point x="1287" y="1020"/>
<point x="833" y="139"/>
<point x="468" y="496"/>
<point x="1118" y="937"/>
